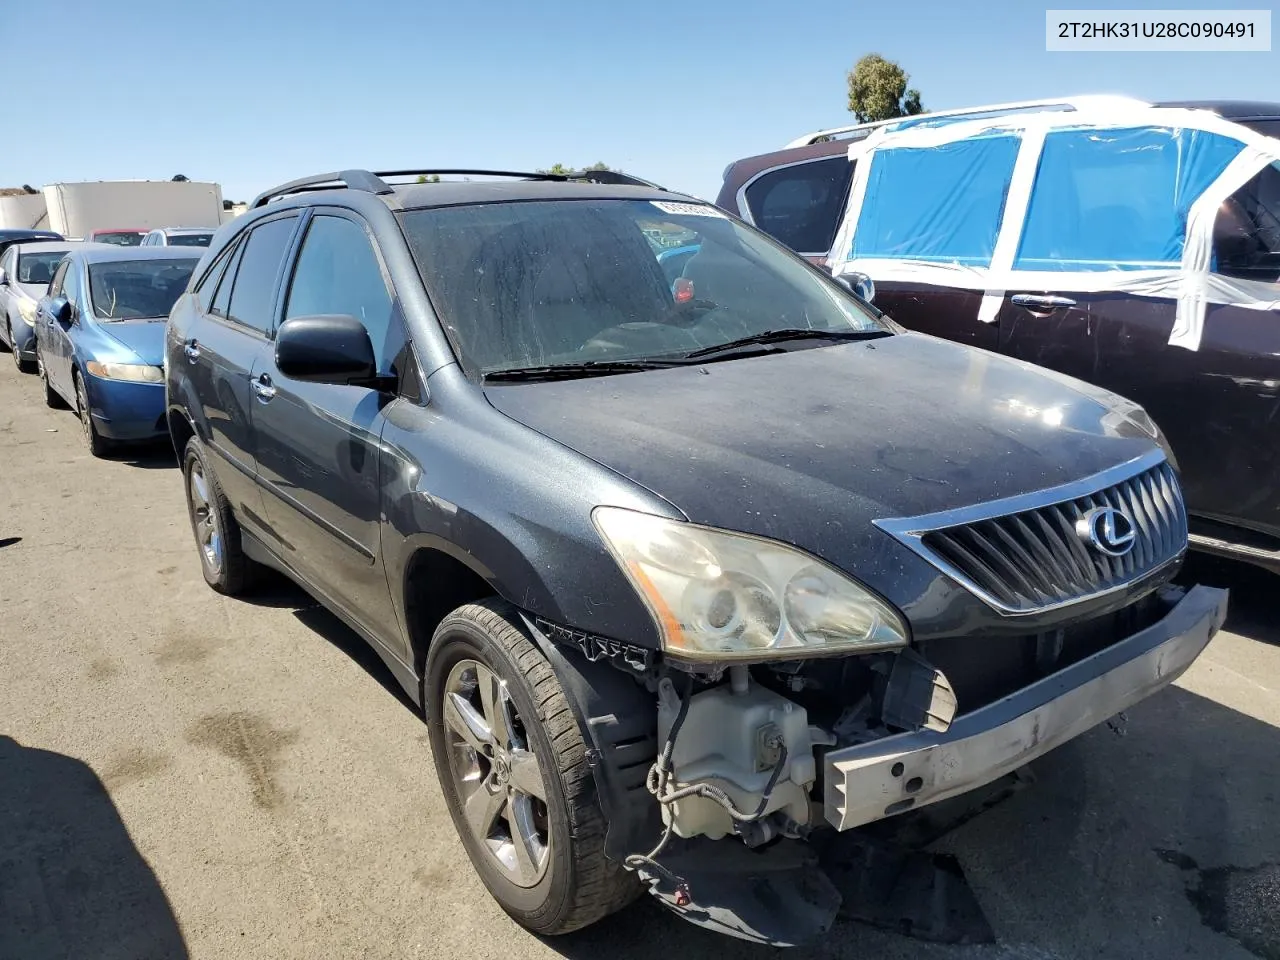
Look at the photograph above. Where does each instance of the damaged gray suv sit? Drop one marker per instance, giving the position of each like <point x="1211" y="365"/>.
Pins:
<point x="692" y="562"/>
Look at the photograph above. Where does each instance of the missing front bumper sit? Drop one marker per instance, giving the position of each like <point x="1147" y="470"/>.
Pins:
<point x="874" y="780"/>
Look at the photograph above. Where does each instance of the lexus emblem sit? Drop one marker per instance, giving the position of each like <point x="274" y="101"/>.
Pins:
<point x="1107" y="530"/>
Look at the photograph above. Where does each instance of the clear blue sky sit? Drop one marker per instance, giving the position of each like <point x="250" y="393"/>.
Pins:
<point x="250" y="94"/>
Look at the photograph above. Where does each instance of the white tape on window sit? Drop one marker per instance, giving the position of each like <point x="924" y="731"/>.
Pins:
<point x="1189" y="283"/>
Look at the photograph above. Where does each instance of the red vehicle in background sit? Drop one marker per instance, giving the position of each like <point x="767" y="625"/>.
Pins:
<point x="121" y="237"/>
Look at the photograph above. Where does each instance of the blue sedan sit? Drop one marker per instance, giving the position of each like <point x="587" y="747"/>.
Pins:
<point x="100" y="338"/>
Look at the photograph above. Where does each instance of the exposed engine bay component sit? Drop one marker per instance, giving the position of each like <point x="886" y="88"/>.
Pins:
<point x="740" y="742"/>
<point x="918" y="695"/>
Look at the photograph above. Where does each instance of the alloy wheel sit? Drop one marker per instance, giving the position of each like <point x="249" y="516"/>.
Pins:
<point x="13" y="348"/>
<point x="204" y="519"/>
<point x="498" y="778"/>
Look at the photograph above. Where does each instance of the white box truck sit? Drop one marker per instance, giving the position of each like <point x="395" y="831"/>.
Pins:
<point x="77" y="209"/>
<point x="20" y="210"/>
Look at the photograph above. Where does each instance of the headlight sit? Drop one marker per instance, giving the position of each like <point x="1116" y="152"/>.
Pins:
<point x="27" y="310"/>
<point x="729" y="596"/>
<point x="137" y="372"/>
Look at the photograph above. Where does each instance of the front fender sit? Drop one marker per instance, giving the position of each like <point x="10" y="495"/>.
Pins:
<point x="513" y="506"/>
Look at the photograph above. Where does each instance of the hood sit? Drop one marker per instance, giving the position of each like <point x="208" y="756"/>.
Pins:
<point x="143" y="337"/>
<point x="33" y="290"/>
<point x="812" y="445"/>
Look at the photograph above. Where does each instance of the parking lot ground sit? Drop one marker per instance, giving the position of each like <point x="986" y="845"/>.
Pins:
<point x="186" y="775"/>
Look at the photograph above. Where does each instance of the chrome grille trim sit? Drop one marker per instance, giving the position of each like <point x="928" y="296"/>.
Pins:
<point x="1022" y="555"/>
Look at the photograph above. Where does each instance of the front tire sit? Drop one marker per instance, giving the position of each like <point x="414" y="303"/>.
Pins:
<point x="222" y="560"/>
<point x="51" y="398"/>
<point x="512" y="765"/>
<point x="24" y="366"/>
<point x="97" y="444"/>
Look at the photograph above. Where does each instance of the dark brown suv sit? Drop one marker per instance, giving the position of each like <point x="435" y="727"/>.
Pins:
<point x="1137" y="248"/>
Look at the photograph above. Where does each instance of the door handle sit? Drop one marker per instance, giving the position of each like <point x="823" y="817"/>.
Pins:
<point x="263" y="388"/>
<point x="192" y="350"/>
<point x="1045" y="302"/>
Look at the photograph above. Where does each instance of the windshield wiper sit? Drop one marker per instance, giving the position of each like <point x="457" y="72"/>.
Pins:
<point x="782" y="336"/>
<point x="570" y="371"/>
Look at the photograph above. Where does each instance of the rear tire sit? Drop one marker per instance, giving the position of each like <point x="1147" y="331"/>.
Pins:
<point x="567" y="883"/>
<point x="222" y="560"/>
<point x="97" y="444"/>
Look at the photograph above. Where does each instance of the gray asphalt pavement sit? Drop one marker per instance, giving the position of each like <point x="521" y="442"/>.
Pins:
<point x="187" y="775"/>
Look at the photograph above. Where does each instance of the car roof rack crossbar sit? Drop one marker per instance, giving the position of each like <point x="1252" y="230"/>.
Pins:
<point x="1070" y="103"/>
<point x="351" y="179"/>
<point x="374" y="183"/>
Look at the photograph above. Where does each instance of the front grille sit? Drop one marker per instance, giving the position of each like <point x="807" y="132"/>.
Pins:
<point x="1032" y="559"/>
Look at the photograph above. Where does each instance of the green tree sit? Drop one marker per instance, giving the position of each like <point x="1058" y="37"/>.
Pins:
<point x="878" y="90"/>
<point x="560" y="170"/>
<point x="424" y="178"/>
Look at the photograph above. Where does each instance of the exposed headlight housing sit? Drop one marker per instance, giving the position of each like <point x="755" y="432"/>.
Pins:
<point x="722" y="596"/>
<point x="27" y="310"/>
<point x="134" y="372"/>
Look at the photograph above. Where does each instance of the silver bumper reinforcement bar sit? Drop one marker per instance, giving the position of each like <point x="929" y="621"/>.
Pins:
<point x="878" y="779"/>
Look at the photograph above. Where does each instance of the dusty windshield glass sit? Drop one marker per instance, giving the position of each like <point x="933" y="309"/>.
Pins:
<point x="563" y="282"/>
<point x="136" y="289"/>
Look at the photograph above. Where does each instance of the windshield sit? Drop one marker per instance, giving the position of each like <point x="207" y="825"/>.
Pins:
<point x="563" y="282"/>
<point x="133" y="289"/>
<point x="190" y="239"/>
<point x="37" y="268"/>
<point x="121" y="238"/>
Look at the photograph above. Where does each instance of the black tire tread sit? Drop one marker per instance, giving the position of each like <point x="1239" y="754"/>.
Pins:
<point x="602" y="886"/>
<point x="51" y="398"/>
<point x="239" y="573"/>
<point x="99" y="446"/>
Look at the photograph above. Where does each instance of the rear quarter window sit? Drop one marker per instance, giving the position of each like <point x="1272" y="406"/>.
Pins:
<point x="801" y="205"/>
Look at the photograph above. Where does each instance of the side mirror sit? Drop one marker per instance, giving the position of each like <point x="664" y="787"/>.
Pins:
<point x="4" y="279"/>
<point x="332" y="349"/>
<point x="858" y="284"/>
<point x="60" y="309"/>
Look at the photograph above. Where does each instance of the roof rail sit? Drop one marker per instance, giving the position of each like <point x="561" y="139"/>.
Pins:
<point x="368" y="182"/>
<point x="591" y="176"/>
<point x="1070" y="103"/>
<point x="351" y="179"/>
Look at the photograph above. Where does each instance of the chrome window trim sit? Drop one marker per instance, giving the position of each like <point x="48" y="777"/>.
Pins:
<point x="910" y="531"/>
<point x="744" y="209"/>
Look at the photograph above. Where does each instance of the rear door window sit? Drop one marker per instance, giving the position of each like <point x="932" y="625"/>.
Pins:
<point x="1118" y="199"/>
<point x="800" y="205"/>
<point x="938" y="204"/>
<point x="253" y="293"/>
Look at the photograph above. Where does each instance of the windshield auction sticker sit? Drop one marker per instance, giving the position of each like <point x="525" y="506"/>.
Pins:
<point x="1137" y="31"/>
<point x="687" y="209"/>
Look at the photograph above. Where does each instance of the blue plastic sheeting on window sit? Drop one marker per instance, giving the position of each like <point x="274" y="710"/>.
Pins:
<point x="939" y="204"/>
<point x="1118" y="199"/>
